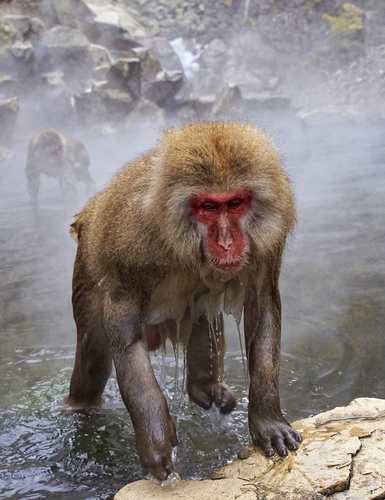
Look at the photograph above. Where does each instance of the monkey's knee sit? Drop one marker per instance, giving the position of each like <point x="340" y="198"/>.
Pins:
<point x="206" y="392"/>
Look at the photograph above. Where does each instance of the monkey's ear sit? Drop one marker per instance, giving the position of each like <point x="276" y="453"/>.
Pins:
<point x="75" y="231"/>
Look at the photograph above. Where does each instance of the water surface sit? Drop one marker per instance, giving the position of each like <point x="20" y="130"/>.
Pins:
<point x="333" y="346"/>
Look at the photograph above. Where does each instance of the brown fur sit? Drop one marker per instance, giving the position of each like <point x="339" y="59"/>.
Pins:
<point x="140" y="259"/>
<point x="71" y="168"/>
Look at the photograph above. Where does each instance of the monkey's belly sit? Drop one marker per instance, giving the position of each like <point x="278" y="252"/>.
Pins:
<point x="181" y="300"/>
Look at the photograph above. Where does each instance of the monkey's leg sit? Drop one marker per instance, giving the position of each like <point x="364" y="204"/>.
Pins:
<point x="262" y="316"/>
<point x="155" y="433"/>
<point x="205" y="351"/>
<point x="93" y="360"/>
<point x="33" y="182"/>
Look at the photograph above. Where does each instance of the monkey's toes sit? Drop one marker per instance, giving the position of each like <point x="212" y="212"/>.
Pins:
<point x="276" y="437"/>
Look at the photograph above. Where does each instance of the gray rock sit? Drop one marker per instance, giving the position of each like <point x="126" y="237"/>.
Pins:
<point x="19" y="60"/>
<point x="9" y="86"/>
<point x="194" y="108"/>
<point x="66" y="49"/>
<point x="327" y="114"/>
<point x="162" y="73"/>
<point x="106" y="106"/>
<point x="18" y="24"/>
<point x="228" y="101"/>
<point x="266" y="101"/>
<point x="212" y="61"/>
<point x="55" y="99"/>
<point x="72" y="13"/>
<point x="162" y="51"/>
<point x="9" y="109"/>
<point x="145" y="115"/>
<point x="102" y="61"/>
<point x="124" y="74"/>
<point x="163" y="89"/>
<point x="114" y="28"/>
<point x="23" y="28"/>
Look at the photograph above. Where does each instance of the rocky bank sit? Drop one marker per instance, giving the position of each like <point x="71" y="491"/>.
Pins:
<point x="342" y="457"/>
<point x="112" y="65"/>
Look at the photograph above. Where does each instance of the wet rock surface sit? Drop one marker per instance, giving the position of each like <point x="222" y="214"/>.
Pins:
<point x="342" y="456"/>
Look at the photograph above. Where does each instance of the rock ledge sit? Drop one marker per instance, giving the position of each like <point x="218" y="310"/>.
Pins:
<point x="342" y="456"/>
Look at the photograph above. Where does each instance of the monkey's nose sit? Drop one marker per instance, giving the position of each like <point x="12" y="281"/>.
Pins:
<point x="225" y="238"/>
<point x="225" y="246"/>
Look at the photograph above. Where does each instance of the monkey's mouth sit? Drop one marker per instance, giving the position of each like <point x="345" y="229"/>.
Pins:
<point x="228" y="265"/>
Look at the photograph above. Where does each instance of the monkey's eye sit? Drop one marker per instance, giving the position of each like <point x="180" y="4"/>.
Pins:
<point x="233" y="204"/>
<point x="207" y="206"/>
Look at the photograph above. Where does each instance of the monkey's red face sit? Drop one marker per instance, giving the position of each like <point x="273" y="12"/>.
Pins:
<point x="57" y="153"/>
<point x="221" y="214"/>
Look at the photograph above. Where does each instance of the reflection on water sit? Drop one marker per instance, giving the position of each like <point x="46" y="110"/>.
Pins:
<point x="333" y="327"/>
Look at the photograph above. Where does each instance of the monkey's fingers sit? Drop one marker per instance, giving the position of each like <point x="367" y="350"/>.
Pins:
<point x="158" y="464"/>
<point x="161" y="468"/>
<point x="204" y="393"/>
<point x="155" y="456"/>
<point x="224" y="398"/>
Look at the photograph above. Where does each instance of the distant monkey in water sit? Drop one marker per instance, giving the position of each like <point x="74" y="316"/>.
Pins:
<point x="57" y="155"/>
<point x="188" y="232"/>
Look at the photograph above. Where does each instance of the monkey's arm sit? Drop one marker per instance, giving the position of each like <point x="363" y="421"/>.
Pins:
<point x="82" y="174"/>
<point x="262" y="317"/>
<point x="154" y="430"/>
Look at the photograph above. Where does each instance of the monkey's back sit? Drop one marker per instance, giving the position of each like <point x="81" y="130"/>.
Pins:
<point x="114" y="228"/>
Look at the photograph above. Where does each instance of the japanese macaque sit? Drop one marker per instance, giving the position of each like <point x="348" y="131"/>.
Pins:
<point x="57" y="155"/>
<point x="191" y="231"/>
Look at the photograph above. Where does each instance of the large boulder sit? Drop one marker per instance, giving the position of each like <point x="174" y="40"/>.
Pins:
<point x="66" y="49"/>
<point x="163" y="74"/>
<point x="19" y="60"/>
<point x="114" y="28"/>
<point x="228" y="101"/>
<point x="212" y="62"/>
<point x="71" y="13"/>
<point x="258" y="102"/>
<point x="53" y="99"/>
<point x="124" y="74"/>
<point x="102" y="61"/>
<point x="103" y="106"/>
<point x="144" y="116"/>
<point x="19" y="25"/>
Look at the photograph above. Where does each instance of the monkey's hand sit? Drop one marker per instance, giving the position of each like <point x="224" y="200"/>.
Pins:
<point x="155" y="438"/>
<point x="273" y="434"/>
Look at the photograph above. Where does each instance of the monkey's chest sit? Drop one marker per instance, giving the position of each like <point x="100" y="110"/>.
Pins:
<point x="180" y="300"/>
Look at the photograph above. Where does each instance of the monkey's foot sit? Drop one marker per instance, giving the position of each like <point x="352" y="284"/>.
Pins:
<point x="274" y="436"/>
<point x="205" y="393"/>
